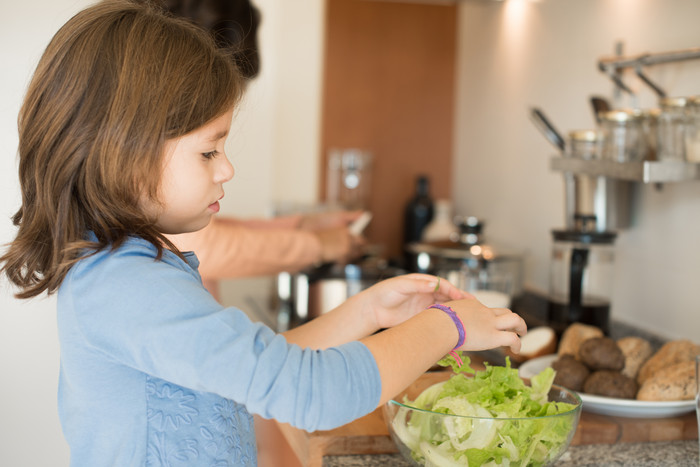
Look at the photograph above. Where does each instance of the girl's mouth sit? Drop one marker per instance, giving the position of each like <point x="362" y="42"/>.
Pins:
<point x="214" y="206"/>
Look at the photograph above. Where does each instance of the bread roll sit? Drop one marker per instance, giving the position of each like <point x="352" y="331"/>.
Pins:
<point x="669" y="354"/>
<point x="675" y="382"/>
<point x="601" y="353"/>
<point x="574" y="335"/>
<point x="610" y="384"/>
<point x="570" y="373"/>
<point x="538" y="341"/>
<point x="636" y="350"/>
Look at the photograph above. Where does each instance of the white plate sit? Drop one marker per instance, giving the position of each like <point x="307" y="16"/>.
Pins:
<point x="612" y="405"/>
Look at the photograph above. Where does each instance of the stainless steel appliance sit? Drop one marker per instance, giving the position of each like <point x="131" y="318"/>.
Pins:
<point x="314" y="291"/>
<point x="469" y="261"/>
<point x="592" y="202"/>
<point x="581" y="278"/>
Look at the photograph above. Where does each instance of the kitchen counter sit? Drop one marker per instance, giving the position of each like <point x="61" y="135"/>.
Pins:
<point x="676" y="453"/>
<point x="599" y="440"/>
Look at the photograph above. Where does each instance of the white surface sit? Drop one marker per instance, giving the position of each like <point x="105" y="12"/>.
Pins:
<point x="492" y="298"/>
<point x="610" y="405"/>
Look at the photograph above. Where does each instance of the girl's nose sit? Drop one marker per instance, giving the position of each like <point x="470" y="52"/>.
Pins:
<point x="224" y="170"/>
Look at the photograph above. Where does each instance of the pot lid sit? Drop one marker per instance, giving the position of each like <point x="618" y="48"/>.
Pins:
<point x="585" y="135"/>
<point x="673" y="101"/>
<point x="620" y="116"/>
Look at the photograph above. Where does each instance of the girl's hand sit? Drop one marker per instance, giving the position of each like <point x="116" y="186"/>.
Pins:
<point x="393" y="301"/>
<point x="487" y="328"/>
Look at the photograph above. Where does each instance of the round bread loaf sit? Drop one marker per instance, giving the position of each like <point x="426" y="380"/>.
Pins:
<point x="611" y="384"/>
<point x="669" y="354"/>
<point x="675" y="382"/>
<point x="570" y="373"/>
<point x="574" y="335"/>
<point x="601" y="353"/>
<point x="636" y="350"/>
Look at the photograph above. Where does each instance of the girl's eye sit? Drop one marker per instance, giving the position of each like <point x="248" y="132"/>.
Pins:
<point x="210" y="154"/>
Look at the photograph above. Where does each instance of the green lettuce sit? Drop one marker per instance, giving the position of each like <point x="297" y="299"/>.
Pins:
<point x="504" y="424"/>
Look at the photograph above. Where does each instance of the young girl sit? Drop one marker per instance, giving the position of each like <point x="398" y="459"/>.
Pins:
<point x="121" y="142"/>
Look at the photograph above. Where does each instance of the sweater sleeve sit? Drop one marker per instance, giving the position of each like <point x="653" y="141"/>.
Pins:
<point x="230" y="250"/>
<point x="155" y="317"/>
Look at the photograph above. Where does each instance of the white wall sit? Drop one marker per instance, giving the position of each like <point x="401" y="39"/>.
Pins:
<point x="519" y="53"/>
<point x="272" y="124"/>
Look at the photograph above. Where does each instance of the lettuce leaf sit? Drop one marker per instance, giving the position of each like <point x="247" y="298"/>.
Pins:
<point x="482" y="438"/>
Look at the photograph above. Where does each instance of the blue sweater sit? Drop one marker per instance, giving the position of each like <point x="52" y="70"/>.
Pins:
<point x="155" y="372"/>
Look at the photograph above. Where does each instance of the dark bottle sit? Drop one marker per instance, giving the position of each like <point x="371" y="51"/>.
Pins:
<point x="418" y="213"/>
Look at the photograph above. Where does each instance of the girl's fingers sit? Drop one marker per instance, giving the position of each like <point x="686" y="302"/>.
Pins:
<point x="501" y="311"/>
<point x="511" y="340"/>
<point x="511" y="322"/>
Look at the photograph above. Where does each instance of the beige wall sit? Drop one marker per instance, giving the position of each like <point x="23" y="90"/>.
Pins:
<point x="517" y="54"/>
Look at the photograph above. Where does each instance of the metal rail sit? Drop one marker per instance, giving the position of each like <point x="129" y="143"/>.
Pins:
<point x="614" y="66"/>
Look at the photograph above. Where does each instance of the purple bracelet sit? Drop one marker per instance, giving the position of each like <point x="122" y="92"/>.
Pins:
<point x="460" y="328"/>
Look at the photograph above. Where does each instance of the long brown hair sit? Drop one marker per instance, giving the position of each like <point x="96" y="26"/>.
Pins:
<point x="115" y="82"/>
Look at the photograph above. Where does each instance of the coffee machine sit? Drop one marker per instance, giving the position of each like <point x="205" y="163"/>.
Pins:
<point x="582" y="262"/>
<point x="581" y="277"/>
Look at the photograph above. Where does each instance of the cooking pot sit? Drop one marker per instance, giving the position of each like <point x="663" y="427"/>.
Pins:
<point x="314" y="291"/>
<point x="469" y="262"/>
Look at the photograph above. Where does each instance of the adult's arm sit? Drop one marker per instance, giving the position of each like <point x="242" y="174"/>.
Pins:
<point x="228" y="249"/>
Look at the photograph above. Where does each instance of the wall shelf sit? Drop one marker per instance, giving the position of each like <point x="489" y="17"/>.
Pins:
<point x="646" y="171"/>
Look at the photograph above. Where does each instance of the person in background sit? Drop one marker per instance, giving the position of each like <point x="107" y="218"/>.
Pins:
<point x="230" y="247"/>
<point x="153" y="370"/>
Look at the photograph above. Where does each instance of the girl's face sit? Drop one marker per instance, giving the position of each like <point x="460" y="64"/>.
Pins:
<point x="195" y="169"/>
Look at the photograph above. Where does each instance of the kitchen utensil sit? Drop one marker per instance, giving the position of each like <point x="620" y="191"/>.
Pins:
<point x="600" y="105"/>
<point x="317" y="290"/>
<point x="359" y="225"/>
<point x="581" y="276"/>
<point x="469" y="262"/>
<point x="546" y="127"/>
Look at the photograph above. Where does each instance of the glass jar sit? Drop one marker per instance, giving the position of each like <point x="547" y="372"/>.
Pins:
<point x="692" y="135"/>
<point x="650" y="128"/>
<point x="349" y="178"/>
<point x="672" y="125"/>
<point x="624" y="136"/>
<point x="585" y="144"/>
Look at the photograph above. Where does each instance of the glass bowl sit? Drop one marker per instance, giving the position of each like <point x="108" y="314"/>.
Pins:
<point x="428" y="438"/>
